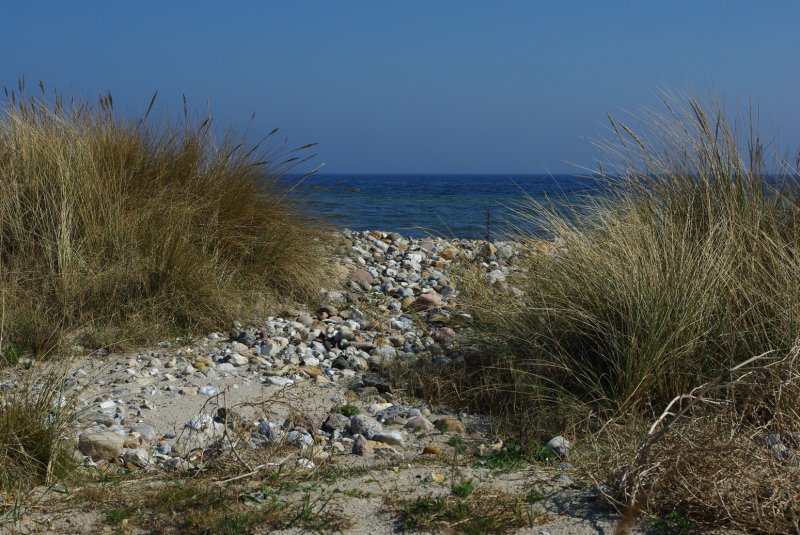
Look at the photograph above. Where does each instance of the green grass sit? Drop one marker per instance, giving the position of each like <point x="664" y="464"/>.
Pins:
<point x="463" y="489"/>
<point x="470" y="515"/>
<point x="515" y="457"/>
<point x="673" y="523"/>
<point x="195" y="507"/>
<point x="535" y="496"/>
<point x="346" y="410"/>
<point x="118" y="229"/>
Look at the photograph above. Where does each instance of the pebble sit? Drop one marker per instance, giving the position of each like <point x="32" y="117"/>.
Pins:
<point x="361" y="446"/>
<point x="394" y="438"/>
<point x="208" y="390"/>
<point x="560" y="445"/>
<point x="100" y="444"/>
<point x="450" y="425"/>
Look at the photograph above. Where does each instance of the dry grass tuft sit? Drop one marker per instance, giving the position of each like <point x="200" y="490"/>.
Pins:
<point x="138" y="226"/>
<point x="35" y="417"/>
<point x="725" y="454"/>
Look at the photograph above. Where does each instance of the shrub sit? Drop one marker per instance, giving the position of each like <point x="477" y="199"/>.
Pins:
<point x="138" y="226"/>
<point x="685" y="266"/>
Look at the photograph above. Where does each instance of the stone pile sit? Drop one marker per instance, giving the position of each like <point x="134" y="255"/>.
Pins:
<point x="398" y="300"/>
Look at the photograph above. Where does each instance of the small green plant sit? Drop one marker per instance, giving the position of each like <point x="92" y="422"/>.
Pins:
<point x="357" y="493"/>
<point x="463" y="489"/>
<point x="414" y="512"/>
<point x="118" y="515"/>
<point x="514" y="456"/>
<point x="535" y="496"/>
<point x="674" y="523"/>
<point x="11" y="355"/>
<point x="458" y="443"/>
<point x="346" y="410"/>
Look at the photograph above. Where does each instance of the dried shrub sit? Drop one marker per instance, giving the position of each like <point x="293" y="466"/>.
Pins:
<point x="725" y="454"/>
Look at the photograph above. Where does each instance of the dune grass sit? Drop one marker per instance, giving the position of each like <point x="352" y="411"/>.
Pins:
<point x="686" y="266"/>
<point x="35" y="417"/>
<point x="125" y="228"/>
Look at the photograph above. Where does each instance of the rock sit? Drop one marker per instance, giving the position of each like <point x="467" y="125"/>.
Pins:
<point x="395" y="438"/>
<point x="495" y="276"/>
<point x="560" y="445"/>
<point x="305" y="319"/>
<point x="432" y="450"/>
<point x="361" y="424"/>
<point x="361" y="276"/>
<point x="450" y="425"/>
<point x="238" y="360"/>
<point x="379" y="384"/>
<point x="306" y="463"/>
<point x="199" y="423"/>
<point x="240" y="348"/>
<point x="375" y="408"/>
<point x="224" y="367"/>
<point x="426" y="301"/>
<point x="145" y="431"/>
<point x="427" y="244"/>
<point x="384" y="352"/>
<point x="99" y="444"/>
<point x="137" y="457"/>
<point x="208" y="390"/>
<point x="336" y="422"/>
<point x="361" y="446"/>
<point x="345" y="333"/>
<point x="280" y="381"/>
<point x="419" y="423"/>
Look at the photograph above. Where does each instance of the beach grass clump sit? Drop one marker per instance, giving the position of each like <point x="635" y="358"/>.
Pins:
<point x="686" y="265"/>
<point x="117" y="227"/>
<point x="35" y="418"/>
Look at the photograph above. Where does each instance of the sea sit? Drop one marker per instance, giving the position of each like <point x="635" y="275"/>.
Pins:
<point x="474" y="206"/>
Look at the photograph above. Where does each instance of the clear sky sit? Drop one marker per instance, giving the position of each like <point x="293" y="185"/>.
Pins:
<point x="417" y="86"/>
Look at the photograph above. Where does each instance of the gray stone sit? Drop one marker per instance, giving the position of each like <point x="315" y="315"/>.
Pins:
<point x="100" y="444"/>
<point x="305" y="319"/>
<point x="238" y="360"/>
<point x="208" y="390"/>
<point x="336" y="422"/>
<point x="419" y="422"/>
<point x="361" y="424"/>
<point x="394" y="438"/>
<point x="145" y="431"/>
<point x="560" y="445"/>
<point x="137" y="457"/>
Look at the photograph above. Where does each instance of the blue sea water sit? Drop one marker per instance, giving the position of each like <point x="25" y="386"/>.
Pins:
<point x="455" y="206"/>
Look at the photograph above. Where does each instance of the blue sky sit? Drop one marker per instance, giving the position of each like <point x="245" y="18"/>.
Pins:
<point x="417" y="86"/>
